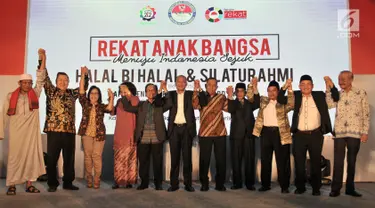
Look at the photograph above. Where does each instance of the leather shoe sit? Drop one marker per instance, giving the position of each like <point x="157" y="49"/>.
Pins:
<point x="204" y="188"/>
<point x="251" y="188"/>
<point x="221" y="188"/>
<point x="234" y="187"/>
<point x="299" y="191"/>
<point x="172" y="189"/>
<point x="129" y="186"/>
<point x="115" y="186"/>
<point x="353" y="193"/>
<point x="285" y="191"/>
<point x="52" y="189"/>
<point x="263" y="189"/>
<point x="141" y="187"/>
<point x="316" y="193"/>
<point x="158" y="188"/>
<point x="70" y="187"/>
<point x="334" y="194"/>
<point x="189" y="189"/>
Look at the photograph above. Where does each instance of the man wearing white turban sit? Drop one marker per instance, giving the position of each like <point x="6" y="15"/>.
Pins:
<point x="21" y="127"/>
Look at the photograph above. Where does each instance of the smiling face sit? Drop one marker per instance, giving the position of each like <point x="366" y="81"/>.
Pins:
<point x="345" y="80"/>
<point x="150" y="92"/>
<point x="62" y="81"/>
<point x="306" y="87"/>
<point x="181" y="83"/>
<point x="94" y="96"/>
<point x="272" y="92"/>
<point x="211" y="87"/>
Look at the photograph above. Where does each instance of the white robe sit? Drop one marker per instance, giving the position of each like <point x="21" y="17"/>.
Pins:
<point x="22" y="130"/>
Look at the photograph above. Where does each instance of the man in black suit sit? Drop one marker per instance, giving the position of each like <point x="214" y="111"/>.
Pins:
<point x="181" y="131"/>
<point x="242" y="142"/>
<point x="150" y="133"/>
<point x="310" y="122"/>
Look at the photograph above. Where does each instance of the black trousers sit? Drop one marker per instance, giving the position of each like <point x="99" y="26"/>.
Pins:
<point x="180" y="140"/>
<point x="243" y="149"/>
<point x="57" y="141"/>
<point x="353" y="145"/>
<point x="145" y="151"/>
<point x="270" y="141"/>
<point x="205" y="145"/>
<point x="313" y="143"/>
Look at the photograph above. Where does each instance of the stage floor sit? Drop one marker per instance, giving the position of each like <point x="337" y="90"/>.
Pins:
<point x="106" y="197"/>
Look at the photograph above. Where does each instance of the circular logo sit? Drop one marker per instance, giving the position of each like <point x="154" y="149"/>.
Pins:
<point x="182" y="13"/>
<point x="214" y="14"/>
<point x="148" y="13"/>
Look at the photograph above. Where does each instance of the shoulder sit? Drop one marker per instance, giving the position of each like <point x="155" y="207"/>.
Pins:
<point x="359" y="91"/>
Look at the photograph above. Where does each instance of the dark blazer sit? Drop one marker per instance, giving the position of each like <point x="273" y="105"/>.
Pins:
<point x="242" y="122"/>
<point x="320" y="101"/>
<point x="141" y="111"/>
<point x="171" y="104"/>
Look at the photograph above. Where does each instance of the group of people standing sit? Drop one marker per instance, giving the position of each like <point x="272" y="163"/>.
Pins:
<point x="141" y="132"/>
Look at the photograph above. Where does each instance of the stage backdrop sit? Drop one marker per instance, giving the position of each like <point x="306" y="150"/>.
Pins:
<point x="149" y="41"/>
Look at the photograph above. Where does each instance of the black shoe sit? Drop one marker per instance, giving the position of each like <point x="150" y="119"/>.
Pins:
<point x="172" y="188"/>
<point x="204" y="188"/>
<point x="353" y="193"/>
<point x="221" y="188"/>
<point x="158" y="188"/>
<point x="285" y="191"/>
<point x="115" y="186"/>
<point x="52" y="189"/>
<point x="189" y="189"/>
<point x="334" y="194"/>
<point x="129" y="186"/>
<point x="316" y="193"/>
<point x="142" y="187"/>
<point x="300" y="191"/>
<point x="263" y="189"/>
<point x="70" y="187"/>
<point x="234" y="187"/>
<point x="250" y="188"/>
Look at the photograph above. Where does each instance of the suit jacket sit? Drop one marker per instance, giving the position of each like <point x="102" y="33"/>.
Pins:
<point x="320" y="101"/>
<point x="242" y="122"/>
<point x="282" y="118"/>
<point x="141" y="111"/>
<point x="171" y="104"/>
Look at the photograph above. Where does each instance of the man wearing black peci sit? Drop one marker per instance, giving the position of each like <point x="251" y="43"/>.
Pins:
<point x="242" y="142"/>
<point x="310" y="122"/>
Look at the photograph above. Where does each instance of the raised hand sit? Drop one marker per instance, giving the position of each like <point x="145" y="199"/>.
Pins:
<point x="288" y="84"/>
<point x="197" y="85"/>
<point x="41" y="54"/>
<point x="84" y="70"/>
<point x="230" y="91"/>
<point x="110" y="94"/>
<point x="254" y="83"/>
<point x="328" y="81"/>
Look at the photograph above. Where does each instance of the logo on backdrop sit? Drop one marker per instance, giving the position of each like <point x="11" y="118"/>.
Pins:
<point x="348" y="23"/>
<point x="214" y="15"/>
<point x="147" y="14"/>
<point x="182" y="13"/>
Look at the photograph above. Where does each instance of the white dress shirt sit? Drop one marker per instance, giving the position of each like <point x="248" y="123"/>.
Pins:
<point x="309" y="116"/>
<point x="180" y="116"/>
<point x="269" y="114"/>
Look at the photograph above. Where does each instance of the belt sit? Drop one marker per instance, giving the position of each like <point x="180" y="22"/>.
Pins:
<point x="271" y="128"/>
<point x="309" y="132"/>
<point x="180" y="125"/>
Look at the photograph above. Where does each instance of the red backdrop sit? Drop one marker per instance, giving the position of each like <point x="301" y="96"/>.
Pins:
<point x="13" y="21"/>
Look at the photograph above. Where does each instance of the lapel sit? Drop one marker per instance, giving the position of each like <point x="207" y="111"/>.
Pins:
<point x="317" y="101"/>
<point x="298" y="101"/>
<point x="185" y="101"/>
